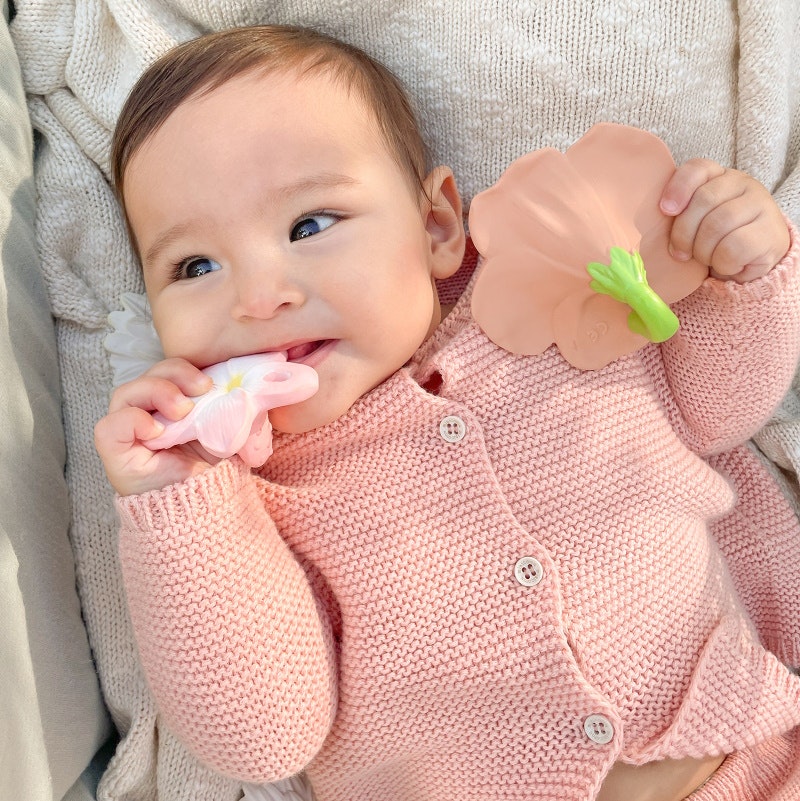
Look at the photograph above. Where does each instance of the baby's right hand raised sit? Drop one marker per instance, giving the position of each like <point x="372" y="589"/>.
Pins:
<point x="119" y="437"/>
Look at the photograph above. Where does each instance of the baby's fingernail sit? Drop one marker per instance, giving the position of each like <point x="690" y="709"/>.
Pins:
<point x="158" y="428"/>
<point x="669" y="207"/>
<point x="185" y="405"/>
<point x="679" y="255"/>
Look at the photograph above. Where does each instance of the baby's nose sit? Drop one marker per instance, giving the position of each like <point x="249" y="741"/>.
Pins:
<point x="263" y="293"/>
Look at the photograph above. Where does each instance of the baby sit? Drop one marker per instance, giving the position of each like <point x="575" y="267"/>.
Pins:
<point x="461" y="573"/>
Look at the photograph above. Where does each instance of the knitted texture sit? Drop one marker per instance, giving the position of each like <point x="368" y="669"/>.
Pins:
<point x="760" y="542"/>
<point x="768" y="772"/>
<point x="451" y="674"/>
<point x="492" y="81"/>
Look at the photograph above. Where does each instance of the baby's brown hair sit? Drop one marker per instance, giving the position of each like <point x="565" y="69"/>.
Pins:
<point x="203" y="64"/>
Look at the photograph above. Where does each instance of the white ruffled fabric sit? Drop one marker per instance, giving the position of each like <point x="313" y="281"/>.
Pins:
<point x="133" y="345"/>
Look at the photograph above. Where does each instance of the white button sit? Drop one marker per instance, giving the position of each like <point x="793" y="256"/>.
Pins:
<point x="452" y="429"/>
<point x="598" y="729"/>
<point x="528" y="571"/>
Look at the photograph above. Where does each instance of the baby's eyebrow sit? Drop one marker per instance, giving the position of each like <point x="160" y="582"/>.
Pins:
<point x="163" y="241"/>
<point x="324" y="180"/>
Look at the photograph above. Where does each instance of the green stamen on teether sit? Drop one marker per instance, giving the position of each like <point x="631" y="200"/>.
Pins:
<point x="625" y="280"/>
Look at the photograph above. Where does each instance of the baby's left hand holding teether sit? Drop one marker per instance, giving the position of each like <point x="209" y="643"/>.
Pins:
<point x="176" y="421"/>
<point x="725" y="219"/>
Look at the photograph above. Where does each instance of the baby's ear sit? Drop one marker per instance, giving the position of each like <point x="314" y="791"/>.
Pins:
<point x="444" y="222"/>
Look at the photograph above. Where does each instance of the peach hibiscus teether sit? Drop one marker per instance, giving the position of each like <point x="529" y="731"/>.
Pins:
<point x="575" y="250"/>
<point x="232" y="416"/>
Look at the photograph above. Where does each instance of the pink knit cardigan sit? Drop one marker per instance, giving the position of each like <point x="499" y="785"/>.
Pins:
<point x="494" y="591"/>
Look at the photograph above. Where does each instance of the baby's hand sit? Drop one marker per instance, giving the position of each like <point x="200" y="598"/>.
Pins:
<point x="725" y="219"/>
<point x="119" y="437"/>
<point x="233" y="416"/>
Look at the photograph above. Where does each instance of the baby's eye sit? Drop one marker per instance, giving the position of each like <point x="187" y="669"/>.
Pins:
<point x="310" y="225"/>
<point x="196" y="266"/>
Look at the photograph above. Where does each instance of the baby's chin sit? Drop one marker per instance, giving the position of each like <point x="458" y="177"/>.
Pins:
<point x="300" y="418"/>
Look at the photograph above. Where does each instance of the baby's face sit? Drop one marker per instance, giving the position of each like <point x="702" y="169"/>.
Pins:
<point x="270" y="215"/>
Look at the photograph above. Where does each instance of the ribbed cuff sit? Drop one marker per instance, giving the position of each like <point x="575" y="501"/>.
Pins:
<point x="195" y="498"/>
<point x="771" y="770"/>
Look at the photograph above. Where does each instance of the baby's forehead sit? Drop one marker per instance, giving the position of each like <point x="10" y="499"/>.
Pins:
<point x="282" y="105"/>
<point x="312" y="101"/>
<point x="301" y="84"/>
<point x="309" y="102"/>
<point x="260" y="137"/>
<point x="266" y="112"/>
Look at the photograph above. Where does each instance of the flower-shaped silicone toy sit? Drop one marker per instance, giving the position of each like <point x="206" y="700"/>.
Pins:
<point x="575" y="249"/>
<point x="232" y="416"/>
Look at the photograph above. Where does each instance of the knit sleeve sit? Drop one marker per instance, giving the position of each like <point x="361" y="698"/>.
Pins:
<point x="234" y="647"/>
<point x="733" y="358"/>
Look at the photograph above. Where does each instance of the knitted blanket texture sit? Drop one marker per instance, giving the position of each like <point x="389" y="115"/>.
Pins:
<point x="493" y="79"/>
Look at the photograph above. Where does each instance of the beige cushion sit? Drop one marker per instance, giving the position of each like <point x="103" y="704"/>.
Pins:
<point x="51" y="716"/>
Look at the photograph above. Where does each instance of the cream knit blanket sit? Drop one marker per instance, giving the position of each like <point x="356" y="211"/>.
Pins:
<point x="493" y="79"/>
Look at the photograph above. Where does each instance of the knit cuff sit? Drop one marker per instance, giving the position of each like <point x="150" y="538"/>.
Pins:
<point x="770" y="770"/>
<point x="193" y="499"/>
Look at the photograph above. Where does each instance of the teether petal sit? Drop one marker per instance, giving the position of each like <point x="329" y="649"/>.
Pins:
<point x="550" y="215"/>
<point x="223" y="423"/>
<point x="258" y="447"/>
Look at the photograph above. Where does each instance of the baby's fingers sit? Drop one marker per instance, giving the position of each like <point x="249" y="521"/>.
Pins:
<point x="117" y="433"/>
<point x="731" y="224"/>
<point x="715" y="209"/>
<point x="167" y="387"/>
<point x="180" y="374"/>
<point x="183" y="374"/>
<point x="133" y="468"/>
<point x="128" y="464"/>
<point x="152" y="394"/>
<point x="685" y="181"/>
<point x="750" y="250"/>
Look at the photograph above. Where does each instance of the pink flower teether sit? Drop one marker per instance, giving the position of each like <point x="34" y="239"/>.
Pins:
<point x="232" y="416"/>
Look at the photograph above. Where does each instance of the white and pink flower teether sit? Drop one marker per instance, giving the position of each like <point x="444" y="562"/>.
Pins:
<point x="232" y="416"/>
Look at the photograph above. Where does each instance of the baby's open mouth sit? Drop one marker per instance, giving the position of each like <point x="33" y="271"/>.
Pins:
<point x="298" y="352"/>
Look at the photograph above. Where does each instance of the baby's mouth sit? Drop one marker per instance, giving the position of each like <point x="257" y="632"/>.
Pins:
<point x="298" y="352"/>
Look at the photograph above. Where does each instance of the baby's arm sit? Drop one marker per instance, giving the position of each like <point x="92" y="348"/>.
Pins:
<point x="235" y="648"/>
<point x="233" y="644"/>
<point x="734" y="356"/>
